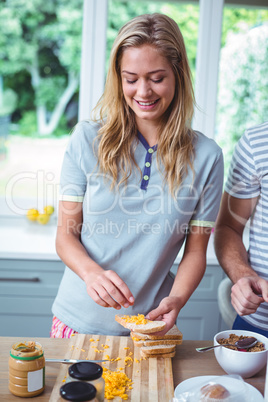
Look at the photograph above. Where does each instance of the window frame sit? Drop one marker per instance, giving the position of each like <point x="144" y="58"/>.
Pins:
<point x="92" y="74"/>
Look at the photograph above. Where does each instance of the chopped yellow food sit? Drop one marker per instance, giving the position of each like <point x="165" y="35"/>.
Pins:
<point x="135" y="339"/>
<point x="82" y="350"/>
<point x="128" y="359"/>
<point x="126" y="348"/>
<point x="136" y="360"/>
<point x="105" y="346"/>
<point x="116" y="384"/>
<point x="91" y="340"/>
<point x="136" y="319"/>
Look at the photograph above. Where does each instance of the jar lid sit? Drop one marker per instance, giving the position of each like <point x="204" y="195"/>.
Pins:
<point x="85" y="371"/>
<point x="78" y="391"/>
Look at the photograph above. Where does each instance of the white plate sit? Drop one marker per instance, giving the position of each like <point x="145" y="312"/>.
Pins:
<point x="233" y="383"/>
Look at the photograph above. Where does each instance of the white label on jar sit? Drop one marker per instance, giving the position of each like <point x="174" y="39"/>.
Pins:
<point x="35" y="380"/>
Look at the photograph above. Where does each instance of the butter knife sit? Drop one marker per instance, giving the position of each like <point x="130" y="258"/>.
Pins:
<point x="71" y="361"/>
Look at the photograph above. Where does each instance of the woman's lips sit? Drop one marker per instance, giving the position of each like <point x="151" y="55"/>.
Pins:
<point x="147" y="105"/>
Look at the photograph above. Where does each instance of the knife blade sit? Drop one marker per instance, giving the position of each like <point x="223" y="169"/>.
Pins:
<point x="71" y="361"/>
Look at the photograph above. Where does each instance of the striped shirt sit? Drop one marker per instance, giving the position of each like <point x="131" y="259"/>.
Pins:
<point x="248" y="178"/>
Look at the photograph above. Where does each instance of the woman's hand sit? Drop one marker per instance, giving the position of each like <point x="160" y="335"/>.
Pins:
<point x="167" y="311"/>
<point x="107" y="289"/>
<point x="189" y="274"/>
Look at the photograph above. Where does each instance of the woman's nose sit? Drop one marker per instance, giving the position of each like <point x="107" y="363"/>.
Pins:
<point x="144" y="89"/>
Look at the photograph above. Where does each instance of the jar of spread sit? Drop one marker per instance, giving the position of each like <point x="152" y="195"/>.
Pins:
<point x="89" y="372"/>
<point x="26" y="369"/>
<point x="78" y="391"/>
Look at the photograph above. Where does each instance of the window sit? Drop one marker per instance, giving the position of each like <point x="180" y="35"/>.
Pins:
<point x="41" y="66"/>
<point x="39" y="88"/>
<point x="243" y="75"/>
<point x="186" y="14"/>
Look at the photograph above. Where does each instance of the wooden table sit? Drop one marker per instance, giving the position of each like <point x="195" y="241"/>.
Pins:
<point x="186" y="364"/>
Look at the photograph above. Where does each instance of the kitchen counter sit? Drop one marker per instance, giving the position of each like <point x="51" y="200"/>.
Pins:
<point x="186" y="364"/>
<point x="24" y="240"/>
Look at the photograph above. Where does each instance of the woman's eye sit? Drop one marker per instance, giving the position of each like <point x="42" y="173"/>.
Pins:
<point x="158" y="81"/>
<point x="131" y="82"/>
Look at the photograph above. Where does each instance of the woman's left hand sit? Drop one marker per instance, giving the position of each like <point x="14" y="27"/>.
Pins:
<point x="167" y="311"/>
<point x="189" y="274"/>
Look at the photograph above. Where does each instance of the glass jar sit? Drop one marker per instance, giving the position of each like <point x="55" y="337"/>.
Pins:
<point x="89" y="372"/>
<point x="26" y="369"/>
<point x="78" y="391"/>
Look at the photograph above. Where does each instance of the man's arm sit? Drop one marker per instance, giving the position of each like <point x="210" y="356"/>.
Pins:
<point x="230" y="250"/>
<point x="249" y="289"/>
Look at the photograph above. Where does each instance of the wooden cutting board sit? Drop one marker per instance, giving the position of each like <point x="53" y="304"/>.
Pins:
<point x="152" y="378"/>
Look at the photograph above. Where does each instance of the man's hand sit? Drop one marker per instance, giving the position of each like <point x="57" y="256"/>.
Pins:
<point x="248" y="293"/>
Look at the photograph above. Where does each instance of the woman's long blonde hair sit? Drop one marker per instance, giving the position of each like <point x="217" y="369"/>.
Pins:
<point x="118" y="130"/>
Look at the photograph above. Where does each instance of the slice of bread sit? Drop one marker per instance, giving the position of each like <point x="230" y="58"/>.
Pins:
<point x="173" y="333"/>
<point x="157" y="349"/>
<point x="133" y="323"/>
<point x="151" y="345"/>
<point x="154" y="342"/>
<point x="163" y="355"/>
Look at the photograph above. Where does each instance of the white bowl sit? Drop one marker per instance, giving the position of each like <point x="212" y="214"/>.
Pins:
<point x="245" y="364"/>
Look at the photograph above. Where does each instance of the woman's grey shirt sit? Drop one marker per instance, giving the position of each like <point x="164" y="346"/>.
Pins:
<point x="136" y="230"/>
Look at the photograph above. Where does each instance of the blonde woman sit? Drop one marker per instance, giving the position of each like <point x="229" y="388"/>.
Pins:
<point x="136" y="184"/>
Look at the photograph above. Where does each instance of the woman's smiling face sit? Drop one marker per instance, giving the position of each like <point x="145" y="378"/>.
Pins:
<point x="148" y="83"/>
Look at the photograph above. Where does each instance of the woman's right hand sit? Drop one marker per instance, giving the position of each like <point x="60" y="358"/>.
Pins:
<point x="107" y="289"/>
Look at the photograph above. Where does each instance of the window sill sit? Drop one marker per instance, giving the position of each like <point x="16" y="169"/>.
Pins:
<point x="22" y="239"/>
